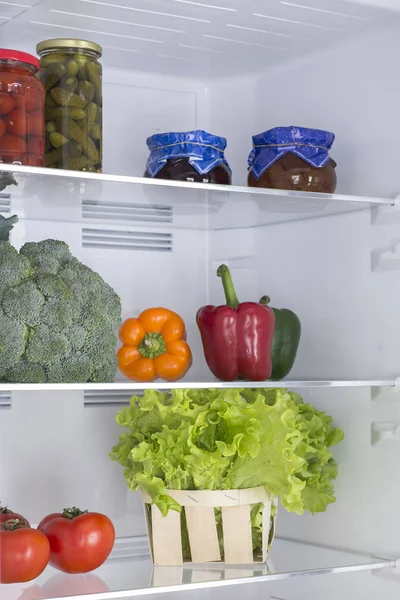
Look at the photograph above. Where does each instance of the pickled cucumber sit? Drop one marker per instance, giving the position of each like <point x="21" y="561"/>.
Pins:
<point x="69" y="83"/>
<point x="53" y="112"/>
<point x="73" y="110"/>
<point x="65" y="98"/>
<point x="95" y="132"/>
<point x="55" y="156"/>
<point x="49" y="77"/>
<point x="72" y="68"/>
<point x="91" y="111"/>
<point x="57" y="140"/>
<point x="78" y="135"/>
<point x="86" y="91"/>
<point x="81" y="163"/>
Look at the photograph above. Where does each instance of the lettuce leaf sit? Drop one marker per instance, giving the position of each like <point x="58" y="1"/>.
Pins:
<point x="228" y="439"/>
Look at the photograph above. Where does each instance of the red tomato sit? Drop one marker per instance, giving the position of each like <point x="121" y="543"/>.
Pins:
<point x="25" y="552"/>
<point x="12" y="144"/>
<point x="26" y="102"/>
<point x="2" y="127"/>
<point x="79" y="541"/>
<point x="36" y="123"/>
<point x="6" y="103"/>
<point x="6" y="514"/>
<point x="17" y="122"/>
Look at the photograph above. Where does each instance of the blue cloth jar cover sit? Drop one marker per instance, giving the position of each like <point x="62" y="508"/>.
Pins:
<point x="312" y="145"/>
<point x="205" y="150"/>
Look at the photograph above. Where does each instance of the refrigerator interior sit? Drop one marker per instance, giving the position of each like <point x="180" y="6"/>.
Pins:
<point x="324" y="64"/>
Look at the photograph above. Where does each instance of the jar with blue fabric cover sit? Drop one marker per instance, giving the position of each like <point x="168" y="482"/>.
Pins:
<point x="293" y="158"/>
<point x="196" y="156"/>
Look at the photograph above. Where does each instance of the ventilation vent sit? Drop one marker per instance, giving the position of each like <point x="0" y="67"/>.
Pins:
<point x="111" y="398"/>
<point x="5" y="203"/>
<point x="5" y="400"/>
<point x="139" y="213"/>
<point x="127" y="240"/>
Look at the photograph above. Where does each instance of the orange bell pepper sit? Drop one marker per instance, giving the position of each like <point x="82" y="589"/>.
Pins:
<point x="154" y="346"/>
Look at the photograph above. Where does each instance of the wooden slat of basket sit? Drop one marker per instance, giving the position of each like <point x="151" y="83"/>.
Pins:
<point x="238" y="545"/>
<point x="167" y="540"/>
<point x="266" y="517"/>
<point x="203" y="535"/>
<point x="215" y="498"/>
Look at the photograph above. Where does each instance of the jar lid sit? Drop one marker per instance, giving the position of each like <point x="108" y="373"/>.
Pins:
<point x="63" y="43"/>
<point x="7" y="54"/>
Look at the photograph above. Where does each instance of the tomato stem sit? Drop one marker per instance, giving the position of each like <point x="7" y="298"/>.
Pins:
<point x="14" y="524"/>
<point x="4" y="510"/>
<point x="71" y="513"/>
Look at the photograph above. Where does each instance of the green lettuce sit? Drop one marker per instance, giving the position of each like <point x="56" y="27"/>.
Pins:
<point x="228" y="439"/>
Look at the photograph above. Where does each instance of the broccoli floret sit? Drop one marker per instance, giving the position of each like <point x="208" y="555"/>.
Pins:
<point x="23" y="303"/>
<point x="46" y="346"/>
<point x="58" y="318"/>
<point x="25" y="372"/>
<point x="14" y="268"/>
<point x="77" y="369"/>
<point x="13" y="336"/>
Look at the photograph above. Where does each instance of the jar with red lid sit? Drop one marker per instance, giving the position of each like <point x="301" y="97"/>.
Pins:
<point x="21" y="110"/>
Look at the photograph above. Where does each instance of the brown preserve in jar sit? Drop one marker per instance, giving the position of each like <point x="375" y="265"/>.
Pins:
<point x="21" y="110"/>
<point x="293" y="158"/>
<point x="194" y="156"/>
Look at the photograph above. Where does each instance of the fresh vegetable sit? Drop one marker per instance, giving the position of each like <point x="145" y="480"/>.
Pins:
<point x="6" y="514"/>
<point x="154" y="346"/>
<point x="58" y="319"/>
<point x="228" y="439"/>
<point x="80" y="541"/>
<point x="237" y="338"/>
<point x="2" y="128"/>
<point x="286" y="340"/>
<point x="25" y="552"/>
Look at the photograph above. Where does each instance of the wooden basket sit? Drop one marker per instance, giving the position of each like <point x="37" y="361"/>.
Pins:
<point x="165" y="533"/>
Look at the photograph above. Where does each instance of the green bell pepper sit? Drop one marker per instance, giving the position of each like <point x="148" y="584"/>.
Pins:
<point x="286" y="340"/>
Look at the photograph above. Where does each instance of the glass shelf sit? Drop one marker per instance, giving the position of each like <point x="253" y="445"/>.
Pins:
<point x="73" y="196"/>
<point x="163" y="385"/>
<point x="131" y="573"/>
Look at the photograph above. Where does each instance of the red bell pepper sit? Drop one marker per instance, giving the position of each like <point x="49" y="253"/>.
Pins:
<point x="237" y="338"/>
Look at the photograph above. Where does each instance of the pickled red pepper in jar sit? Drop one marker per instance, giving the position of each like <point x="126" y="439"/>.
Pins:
<point x="72" y="77"/>
<point x="21" y="110"/>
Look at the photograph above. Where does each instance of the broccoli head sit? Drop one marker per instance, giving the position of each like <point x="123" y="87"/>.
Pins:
<point x="58" y="318"/>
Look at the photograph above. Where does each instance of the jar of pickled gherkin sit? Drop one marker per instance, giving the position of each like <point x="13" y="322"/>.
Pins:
<point x="72" y="76"/>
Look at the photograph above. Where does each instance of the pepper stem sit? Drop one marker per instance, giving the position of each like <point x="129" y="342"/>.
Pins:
<point x="71" y="513"/>
<point x="229" y="288"/>
<point x="265" y="300"/>
<point x="152" y="345"/>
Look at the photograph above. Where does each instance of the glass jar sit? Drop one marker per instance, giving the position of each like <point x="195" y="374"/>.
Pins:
<point x="196" y="156"/>
<point x="21" y="110"/>
<point x="293" y="158"/>
<point x="72" y="77"/>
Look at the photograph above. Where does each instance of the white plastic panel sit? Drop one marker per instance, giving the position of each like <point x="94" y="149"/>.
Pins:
<point x="214" y="37"/>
